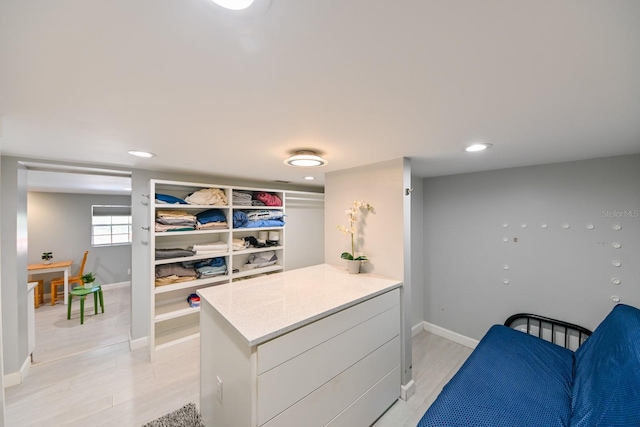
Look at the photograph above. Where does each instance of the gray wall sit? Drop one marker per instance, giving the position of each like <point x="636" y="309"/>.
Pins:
<point x="417" y="251"/>
<point x="555" y="271"/>
<point x="61" y="223"/>
<point x="13" y="230"/>
<point x="1" y="345"/>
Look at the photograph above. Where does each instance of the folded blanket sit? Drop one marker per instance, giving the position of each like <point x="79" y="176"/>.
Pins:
<point x="207" y="196"/>
<point x="161" y="281"/>
<point x="174" y="268"/>
<point x="211" y="215"/>
<point x="172" y="253"/>
<point x="264" y="214"/>
<point x="265" y="223"/>
<point x="242" y="198"/>
<point x="211" y="225"/>
<point x="213" y="246"/>
<point x="173" y="227"/>
<point x="240" y="219"/>
<point x="269" y="199"/>
<point x="169" y="199"/>
<point x="240" y="244"/>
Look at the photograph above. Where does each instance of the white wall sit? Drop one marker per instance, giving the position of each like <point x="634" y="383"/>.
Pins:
<point x="304" y="230"/>
<point x="381" y="185"/>
<point x="61" y="223"/>
<point x="558" y="272"/>
<point x="383" y="232"/>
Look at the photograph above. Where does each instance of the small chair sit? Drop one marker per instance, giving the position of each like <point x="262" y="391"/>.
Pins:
<point x="59" y="281"/>
<point x="82" y="293"/>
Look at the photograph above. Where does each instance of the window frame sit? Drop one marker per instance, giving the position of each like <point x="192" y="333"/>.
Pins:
<point x="118" y="211"/>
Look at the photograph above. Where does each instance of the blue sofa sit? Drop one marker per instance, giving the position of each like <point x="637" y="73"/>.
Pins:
<point x="515" y="379"/>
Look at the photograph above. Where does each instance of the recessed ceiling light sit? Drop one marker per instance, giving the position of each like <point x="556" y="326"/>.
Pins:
<point x="234" y="4"/>
<point x="478" y="147"/>
<point x="141" y="154"/>
<point x="305" y="159"/>
<point x="309" y="178"/>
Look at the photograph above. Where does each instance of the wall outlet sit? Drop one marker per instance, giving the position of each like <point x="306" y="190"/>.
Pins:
<point x="129" y="271"/>
<point x="219" y="389"/>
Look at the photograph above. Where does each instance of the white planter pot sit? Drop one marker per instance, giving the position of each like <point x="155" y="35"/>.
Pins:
<point x="353" y="267"/>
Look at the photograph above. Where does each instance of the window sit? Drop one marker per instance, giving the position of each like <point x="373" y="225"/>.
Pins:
<point x="110" y="225"/>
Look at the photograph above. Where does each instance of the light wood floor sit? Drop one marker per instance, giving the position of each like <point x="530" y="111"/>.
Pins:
<point x="113" y="386"/>
<point x="57" y="337"/>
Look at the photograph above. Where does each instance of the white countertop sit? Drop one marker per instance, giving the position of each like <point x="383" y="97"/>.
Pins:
<point x="262" y="308"/>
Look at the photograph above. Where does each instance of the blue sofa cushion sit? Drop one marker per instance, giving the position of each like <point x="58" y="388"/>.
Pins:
<point x="606" y="389"/>
<point x="510" y="379"/>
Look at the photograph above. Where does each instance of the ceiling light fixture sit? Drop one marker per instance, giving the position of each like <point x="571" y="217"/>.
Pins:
<point x="477" y="147"/>
<point x="309" y="178"/>
<point x="305" y="159"/>
<point x="144" y="154"/>
<point x="234" y="4"/>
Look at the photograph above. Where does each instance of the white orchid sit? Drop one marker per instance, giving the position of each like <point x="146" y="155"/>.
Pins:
<point x="352" y="217"/>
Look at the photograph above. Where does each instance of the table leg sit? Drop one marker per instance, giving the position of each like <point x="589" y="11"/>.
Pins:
<point x="95" y="302"/>
<point x="66" y="284"/>
<point x="82" y="310"/>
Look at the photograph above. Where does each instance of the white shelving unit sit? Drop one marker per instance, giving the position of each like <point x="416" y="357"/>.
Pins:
<point x="172" y="319"/>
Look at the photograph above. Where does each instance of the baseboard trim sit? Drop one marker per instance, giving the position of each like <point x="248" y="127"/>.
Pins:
<point x="406" y="391"/>
<point x="16" y="378"/>
<point x="450" y="335"/>
<point x="138" y="343"/>
<point x="109" y="286"/>
<point x="417" y="329"/>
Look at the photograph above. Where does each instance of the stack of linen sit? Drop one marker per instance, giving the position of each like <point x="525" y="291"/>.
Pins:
<point x="174" y="272"/>
<point x="242" y="198"/>
<point x="211" y="219"/>
<point x="173" y="253"/>
<point x="210" y="248"/>
<point x="174" y="221"/>
<point x="207" y="196"/>
<point x="211" y="267"/>
<point x="257" y="219"/>
<point x="267" y="199"/>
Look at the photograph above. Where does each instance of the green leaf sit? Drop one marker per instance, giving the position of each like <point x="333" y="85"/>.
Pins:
<point x="361" y="258"/>
<point x="346" y="255"/>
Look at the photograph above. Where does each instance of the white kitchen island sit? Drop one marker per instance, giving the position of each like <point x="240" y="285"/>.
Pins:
<point x="309" y="347"/>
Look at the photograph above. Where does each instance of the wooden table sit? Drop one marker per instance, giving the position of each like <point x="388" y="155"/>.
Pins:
<point x="63" y="266"/>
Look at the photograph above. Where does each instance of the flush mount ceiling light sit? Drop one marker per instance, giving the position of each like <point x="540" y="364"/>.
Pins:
<point x="309" y="178"/>
<point x="305" y="159"/>
<point x="234" y="4"/>
<point x="141" y="153"/>
<point x="477" y="147"/>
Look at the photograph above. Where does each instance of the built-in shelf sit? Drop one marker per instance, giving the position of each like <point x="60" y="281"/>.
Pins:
<point x="172" y="319"/>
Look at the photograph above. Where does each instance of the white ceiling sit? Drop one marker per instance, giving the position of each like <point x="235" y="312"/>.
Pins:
<point x="362" y="81"/>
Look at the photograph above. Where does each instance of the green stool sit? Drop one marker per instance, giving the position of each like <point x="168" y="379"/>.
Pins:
<point x="82" y="293"/>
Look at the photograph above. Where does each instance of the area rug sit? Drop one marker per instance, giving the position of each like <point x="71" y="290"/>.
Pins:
<point x="187" y="416"/>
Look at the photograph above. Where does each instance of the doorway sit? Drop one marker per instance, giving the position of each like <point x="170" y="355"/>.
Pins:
<point x="62" y="219"/>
